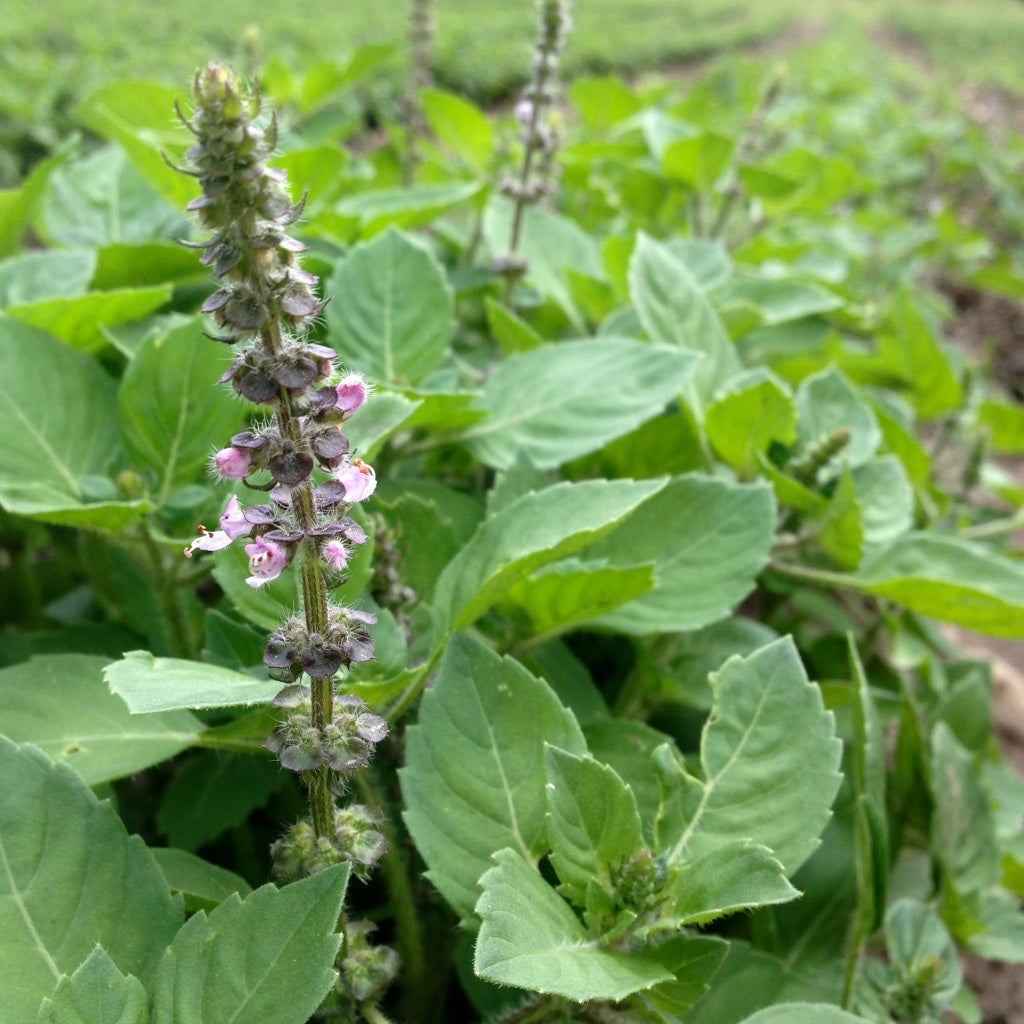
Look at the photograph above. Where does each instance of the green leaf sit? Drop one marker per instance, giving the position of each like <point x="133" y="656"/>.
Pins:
<point x="593" y="824"/>
<point x="738" y="875"/>
<point x="171" y="413"/>
<point x="77" y="320"/>
<point x="769" y="760"/>
<point x="51" y="442"/>
<point x="1004" y="423"/>
<point x="948" y="579"/>
<point x="147" y="683"/>
<point x="18" y="207"/>
<point x="392" y="309"/>
<point x="139" y="264"/>
<point x="461" y="126"/>
<point x="918" y="943"/>
<point x="827" y="402"/>
<point x="60" y="703"/>
<point x="675" y="310"/>
<point x="204" y="885"/>
<point x="43" y="275"/>
<point x="538" y="528"/>
<point x="97" y="993"/>
<point x="804" y="1013"/>
<point x="885" y="498"/>
<point x="840" y="532"/>
<point x="140" y="116"/>
<point x="698" y="161"/>
<point x="565" y="594"/>
<point x="212" y="792"/>
<point x="474" y="779"/>
<point x="66" y="887"/>
<point x="530" y="938"/>
<point x="267" y="958"/>
<point x="390" y="208"/>
<point x="510" y="331"/>
<point x="777" y="301"/>
<point x="101" y="198"/>
<point x="708" y="540"/>
<point x="693" y="961"/>
<point x="747" y="415"/>
<point x="560" y="401"/>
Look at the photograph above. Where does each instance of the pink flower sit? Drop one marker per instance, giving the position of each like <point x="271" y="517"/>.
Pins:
<point x="267" y="561"/>
<point x="231" y="463"/>
<point x="358" y="479"/>
<point x="335" y="554"/>
<point x="352" y="392"/>
<point x="233" y="525"/>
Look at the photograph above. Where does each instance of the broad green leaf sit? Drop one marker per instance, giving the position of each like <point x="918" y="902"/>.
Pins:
<point x="1004" y="423"/>
<point x="593" y="824"/>
<point x="675" y="310"/>
<point x="97" y="993"/>
<point x="382" y="209"/>
<point x="140" y="116"/>
<point x="693" y="961"/>
<point x="204" y="885"/>
<point x="551" y="244"/>
<point x="474" y="779"/>
<point x="44" y="275"/>
<point x="77" y="319"/>
<point x="530" y="938"/>
<point x="769" y="760"/>
<point x="60" y="703"/>
<point x="804" y="1013"/>
<point x="383" y="414"/>
<point x="948" y="579"/>
<point x="214" y="791"/>
<point x="266" y="607"/>
<point x="392" y="309"/>
<point x="708" y="540"/>
<point x="560" y="401"/>
<point x="267" y="958"/>
<point x="737" y="875"/>
<point x="603" y="102"/>
<point x="885" y="499"/>
<point x="917" y="943"/>
<point x="459" y="125"/>
<point x="64" y="889"/>
<point x="19" y="206"/>
<point x="698" y="161"/>
<point x="57" y="430"/>
<point x="777" y="301"/>
<point x="538" y="528"/>
<point x="747" y="415"/>
<point x="147" y="683"/>
<point x="568" y="593"/>
<point x="139" y="264"/>
<point x="827" y="402"/>
<point x="171" y="412"/>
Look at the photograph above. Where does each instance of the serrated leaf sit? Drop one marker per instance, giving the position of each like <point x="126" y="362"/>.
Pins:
<point x="392" y="309"/>
<point x="170" y="413"/>
<point x="827" y="402"/>
<point x="50" y="446"/>
<point x="675" y="310"/>
<point x="735" y="876"/>
<point x="885" y="498"/>
<point x="530" y="938"/>
<point x="560" y="401"/>
<point x="97" y="993"/>
<point x="708" y="540"/>
<point x="693" y="961"/>
<point x="769" y="759"/>
<point x="474" y="780"/>
<point x="61" y="704"/>
<point x="147" y="683"/>
<point x="64" y="889"/>
<point x="538" y="528"/>
<point x="593" y="824"/>
<point x="267" y="958"/>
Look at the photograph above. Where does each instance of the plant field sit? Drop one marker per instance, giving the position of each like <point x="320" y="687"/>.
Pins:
<point x="511" y="582"/>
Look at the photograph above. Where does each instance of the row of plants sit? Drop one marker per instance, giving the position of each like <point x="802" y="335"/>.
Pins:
<point x="577" y="577"/>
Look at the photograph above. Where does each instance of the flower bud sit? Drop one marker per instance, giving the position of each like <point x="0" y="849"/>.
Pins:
<point x="336" y="555"/>
<point x="231" y="463"/>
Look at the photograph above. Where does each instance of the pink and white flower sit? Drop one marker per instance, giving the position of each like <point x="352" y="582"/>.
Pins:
<point x="358" y="479"/>
<point x="267" y="561"/>
<point x="232" y="525"/>
<point x="231" y="463"/>
<point x="352" y="391"/>
<point x="335" y="554"/>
